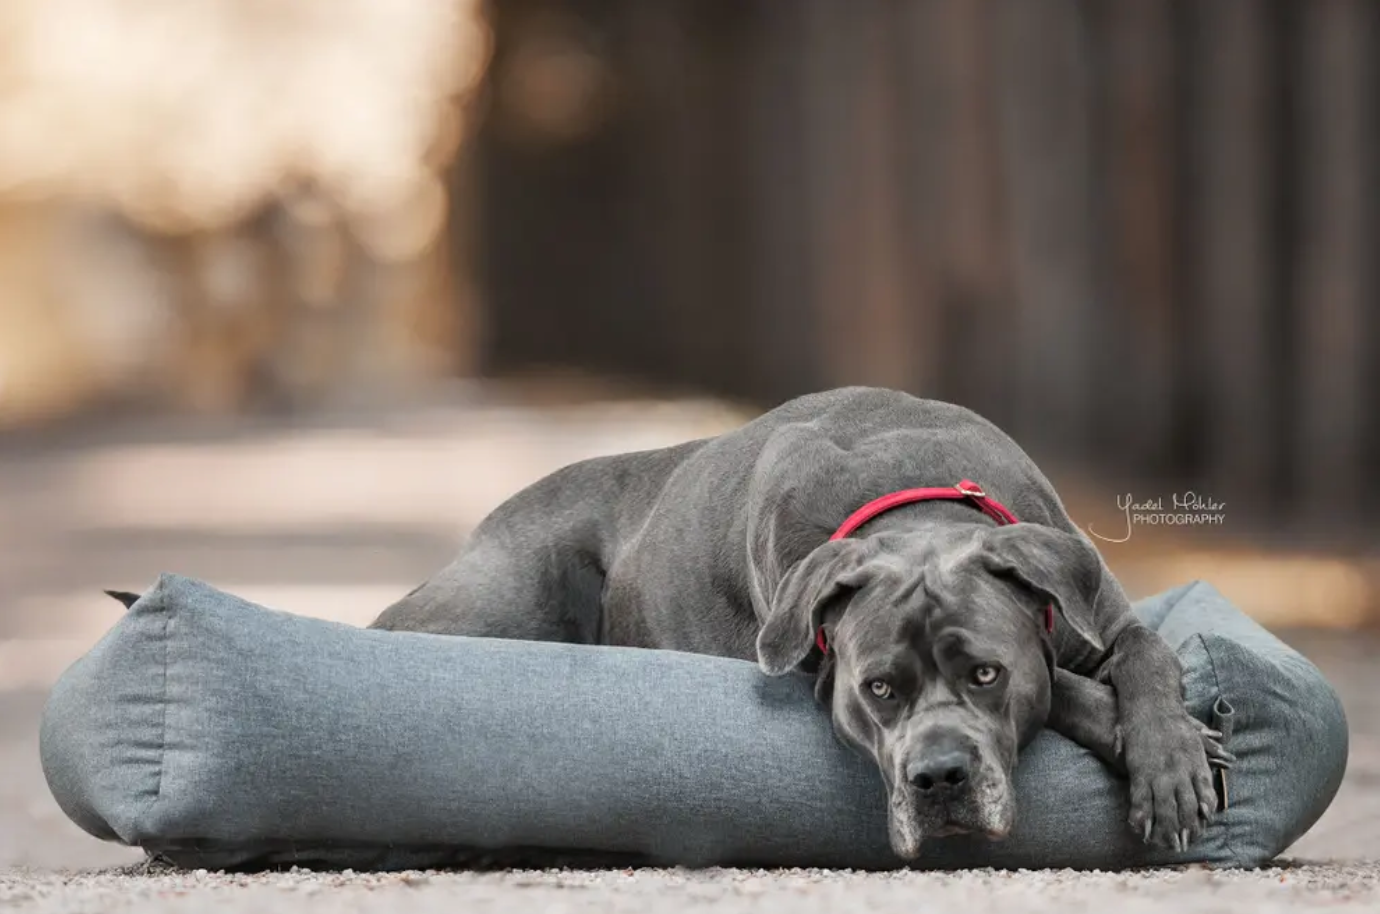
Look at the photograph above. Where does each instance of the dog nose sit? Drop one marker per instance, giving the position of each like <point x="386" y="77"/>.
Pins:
<point x="946" y="770"/>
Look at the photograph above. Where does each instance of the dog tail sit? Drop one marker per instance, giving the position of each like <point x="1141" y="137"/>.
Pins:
<point x="124" y="596"/>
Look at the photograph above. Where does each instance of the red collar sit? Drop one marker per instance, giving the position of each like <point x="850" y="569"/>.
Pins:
<point x="967" y="491"/>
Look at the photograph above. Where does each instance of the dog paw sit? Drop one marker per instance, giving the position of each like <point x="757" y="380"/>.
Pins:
<point x="1170" y="763"/>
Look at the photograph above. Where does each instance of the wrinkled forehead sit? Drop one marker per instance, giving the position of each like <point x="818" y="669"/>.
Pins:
<point x="928" y="609"/>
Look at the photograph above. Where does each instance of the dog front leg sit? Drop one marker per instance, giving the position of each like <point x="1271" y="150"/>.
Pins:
<point x="1167" y="754"/>
<point x="1085" y="711"/>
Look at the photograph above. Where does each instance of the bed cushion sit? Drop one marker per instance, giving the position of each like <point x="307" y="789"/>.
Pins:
<point x="215" y="733"/>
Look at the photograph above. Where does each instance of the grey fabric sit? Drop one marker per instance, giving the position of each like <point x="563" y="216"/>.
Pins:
<point x="216" y="733"/>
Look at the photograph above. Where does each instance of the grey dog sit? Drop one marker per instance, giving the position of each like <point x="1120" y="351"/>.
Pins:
<point x="925" y="628"/>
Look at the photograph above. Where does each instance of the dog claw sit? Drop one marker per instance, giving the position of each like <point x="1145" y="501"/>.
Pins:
<point x="1183" y="840"/>
<point x="1205" y="811"/>
<point x="1149" y="826"/>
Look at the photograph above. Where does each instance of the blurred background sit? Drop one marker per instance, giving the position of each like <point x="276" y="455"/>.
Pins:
<point x="292" y="293"/>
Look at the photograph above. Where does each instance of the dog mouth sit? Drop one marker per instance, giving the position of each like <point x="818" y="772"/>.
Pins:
<point x="986" y="810"/>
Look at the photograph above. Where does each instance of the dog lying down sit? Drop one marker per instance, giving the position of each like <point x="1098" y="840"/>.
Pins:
<point x="872" y="539"/>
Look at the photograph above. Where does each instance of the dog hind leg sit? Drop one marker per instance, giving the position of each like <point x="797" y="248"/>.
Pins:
<point x="548" y="591"/>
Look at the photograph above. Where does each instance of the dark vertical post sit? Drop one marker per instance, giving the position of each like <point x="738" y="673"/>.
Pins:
<point x="1135" y="370"/>
<point x="1335" y="280"/>
<point x="1232" y="139"/>
<point x="866" y="332"/>
<point x="956" y="195"/>
<point x="1047" y="158"/>
<point x="782" y="318"/>
<point x="673" y="167"/>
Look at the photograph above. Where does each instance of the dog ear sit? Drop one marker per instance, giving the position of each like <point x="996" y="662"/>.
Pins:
<point x="831" y="572"/>
<point x="1058" y="566"/>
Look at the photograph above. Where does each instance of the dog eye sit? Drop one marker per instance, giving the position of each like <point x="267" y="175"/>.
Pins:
<point x="986" y="674"/>
<point x="881" y="689"/>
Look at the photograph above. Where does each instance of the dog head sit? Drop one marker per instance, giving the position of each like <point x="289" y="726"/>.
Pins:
<point x="938" y="665"/>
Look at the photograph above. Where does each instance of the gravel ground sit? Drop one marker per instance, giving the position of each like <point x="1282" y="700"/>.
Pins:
<point x="1293" y="888"/>
<point x="337" y="519"/>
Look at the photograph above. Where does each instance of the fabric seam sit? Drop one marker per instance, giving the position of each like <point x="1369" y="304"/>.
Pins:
<point x="1227" y="843"/>
<point x="163" y="723"/>
<point x="1180" y="598"/>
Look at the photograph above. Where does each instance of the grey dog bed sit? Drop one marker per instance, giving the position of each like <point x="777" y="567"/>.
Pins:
<point x="215" y="733"/>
